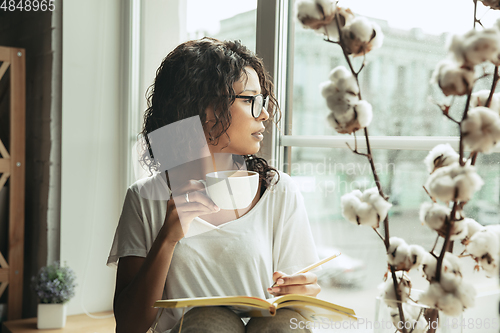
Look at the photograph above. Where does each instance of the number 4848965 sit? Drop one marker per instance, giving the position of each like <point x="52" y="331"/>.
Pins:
<point x="28" y="5"/>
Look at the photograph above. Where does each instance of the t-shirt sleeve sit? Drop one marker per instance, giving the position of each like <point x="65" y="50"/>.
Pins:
<point x="130" y="235"/>
<point x="294" y="247"/>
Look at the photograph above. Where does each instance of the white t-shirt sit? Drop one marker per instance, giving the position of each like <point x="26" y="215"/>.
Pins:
<point x="234" y="258"/>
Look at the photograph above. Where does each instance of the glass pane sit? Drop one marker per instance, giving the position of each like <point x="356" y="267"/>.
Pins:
<point x="222" y="19"/>
<point x="324" y="175"/>
<point x="396" y="76"/>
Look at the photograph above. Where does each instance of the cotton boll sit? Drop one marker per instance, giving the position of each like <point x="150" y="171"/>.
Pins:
<point x="466" y="293"/>
<point x="341" y="94"/>
<point x="368" y="215"/>
<point x="364" y="112"/>
<point x="494" y="4"/>
<point x="372" y="196"/>
<point x="483" y="242"/>
<point x="440" y="156"/>
<point x="361" y="28"/>
<point x="481" y="97"/>
<point x="343" y="118"/>
<point x="481" y="129"/>
<point x="434" y="215"/>
<point x="436" y="297"/>
<point x="431" y="296"/>
<point x="357" y="211"/>
<point x="467" y="182"/>
<point x="476" y="47"/>
<point x="447" y="181"/>
<point x="364" y="208"/>
<point x="429" y="264"/>
<point x="417" y="253"/>
<point x="338" y="123"/>
<point x="349" y="122"/>
<point x="404" y="288"/>
<point x="339" y="72"/>
<point x="344" y="81"/>
<point x="442" y="186"/>
<point x="398" y="254"/>
<point x="345" y="18"/>
<point x="315" y="14"/>
<point x="458" y="230"/>
<point x="484" y="247"/>
<point x="451" y="274"/>
<point x="450" y="305"/>
<point x="362" y="36"/>
<point x="453" y="79"/>
<point x="490" y="267"/>
<point x="350" y="203"/>
<point x="472" y="227"/>
<point x="337" y="101"/>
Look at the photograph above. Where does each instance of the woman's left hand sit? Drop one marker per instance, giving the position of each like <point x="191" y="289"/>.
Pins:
<point x="303" y="284"/>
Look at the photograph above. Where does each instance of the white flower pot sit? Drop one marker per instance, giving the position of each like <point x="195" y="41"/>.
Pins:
<point x="51" y="316"/>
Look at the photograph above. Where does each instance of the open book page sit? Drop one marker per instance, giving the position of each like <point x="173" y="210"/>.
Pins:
<point x="213" y="301"/>
<point x="311" y="308"/>
<point x="314" y="309"/>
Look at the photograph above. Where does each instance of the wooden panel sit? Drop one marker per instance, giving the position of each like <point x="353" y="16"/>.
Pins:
<point x="3" y="68"/>
<point x="3" y="179"/>
<point x="3" y="151"/>
<point x="4" y="274"/>
<point x="5" y="53"/>
<point x="4" y="165"/>
<point x="3" y="286"/>
<point x="3" y="263"/>
<point x="74" y="324"/>
<point x="17" y="180"/>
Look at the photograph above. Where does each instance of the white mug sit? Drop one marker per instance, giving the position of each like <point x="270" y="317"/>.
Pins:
<point x="232" y="189"/>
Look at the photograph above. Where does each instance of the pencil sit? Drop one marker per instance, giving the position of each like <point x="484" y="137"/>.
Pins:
<point x="319" y="263"/>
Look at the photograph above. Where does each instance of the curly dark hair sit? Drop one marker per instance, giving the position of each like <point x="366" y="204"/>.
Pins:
<point x="194" y="76"/>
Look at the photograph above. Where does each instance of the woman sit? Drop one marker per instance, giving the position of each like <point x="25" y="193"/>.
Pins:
<point x="226" y="86"/>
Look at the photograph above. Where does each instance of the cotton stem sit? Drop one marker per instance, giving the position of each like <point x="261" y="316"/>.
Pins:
<point x="493" y="87"/>
<point x="475" y="16"/>
<point x="374" y="171"/>
<point x="461" y="145"/>
<point x="449" y="224"/>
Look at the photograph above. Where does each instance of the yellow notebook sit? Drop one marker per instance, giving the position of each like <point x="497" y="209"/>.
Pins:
<point x="311" y="308"/>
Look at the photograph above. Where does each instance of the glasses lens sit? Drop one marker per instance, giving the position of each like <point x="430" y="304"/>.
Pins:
<point x="257" y="106"/>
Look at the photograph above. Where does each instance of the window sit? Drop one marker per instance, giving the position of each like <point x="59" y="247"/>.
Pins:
<point x="222" y="19"/>
<point x="406" y="125"/>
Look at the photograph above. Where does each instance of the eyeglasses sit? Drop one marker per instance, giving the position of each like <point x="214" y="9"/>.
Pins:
<point x="258" y="103"/>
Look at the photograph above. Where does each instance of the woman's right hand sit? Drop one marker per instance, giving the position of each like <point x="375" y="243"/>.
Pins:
<point x="181" y="213"/>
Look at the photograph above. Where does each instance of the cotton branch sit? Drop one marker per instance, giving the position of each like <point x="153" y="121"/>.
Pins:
<point x="493" y="87"/>
<point x="461" y="145"/>
<point x="375" y="175"/>
<point x="475" y="17"/>
<point x="449" y="224"/>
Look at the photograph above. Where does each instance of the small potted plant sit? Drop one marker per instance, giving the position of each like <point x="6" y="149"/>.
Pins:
<point x="54" y="286"/>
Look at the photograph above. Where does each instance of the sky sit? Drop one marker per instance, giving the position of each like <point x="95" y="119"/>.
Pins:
<point x="432" y="16"/>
